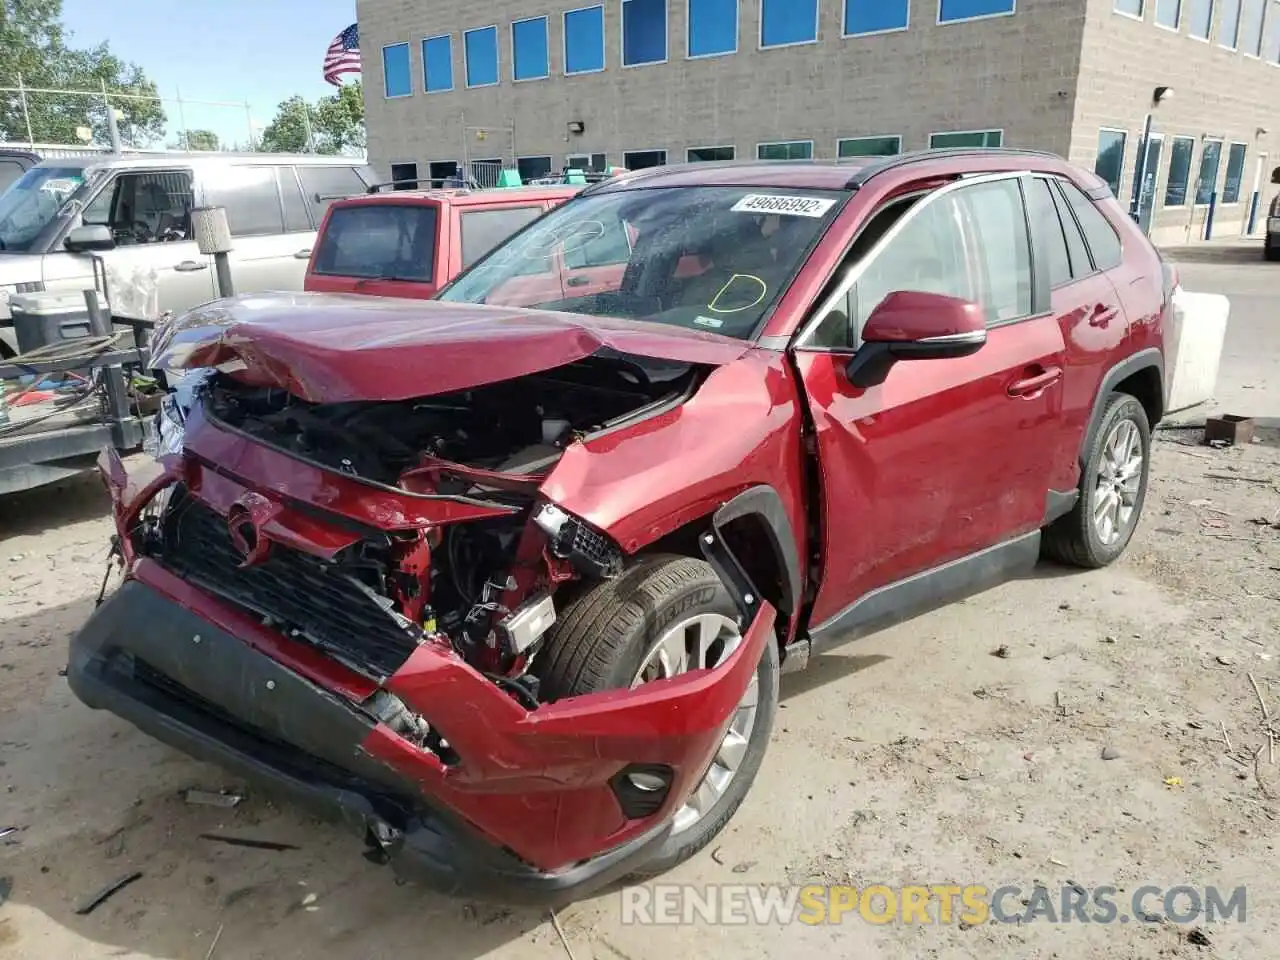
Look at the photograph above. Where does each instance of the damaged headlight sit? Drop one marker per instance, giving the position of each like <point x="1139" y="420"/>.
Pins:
<point x="589" y="551"/>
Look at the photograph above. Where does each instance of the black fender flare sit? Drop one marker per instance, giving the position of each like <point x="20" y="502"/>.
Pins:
<point x="763" y="502"/>
<point x="1142" y="360"/>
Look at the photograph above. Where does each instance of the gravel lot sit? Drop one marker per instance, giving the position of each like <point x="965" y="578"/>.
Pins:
<point x="916" y="756"/>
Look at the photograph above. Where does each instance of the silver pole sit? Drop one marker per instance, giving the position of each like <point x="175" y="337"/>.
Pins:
<point x="113" y="131"/>
<point x="248" y="116"/>
<point x="26" y="112"/>
<point x="306" y="119"/>
<point x="182" y="120"/>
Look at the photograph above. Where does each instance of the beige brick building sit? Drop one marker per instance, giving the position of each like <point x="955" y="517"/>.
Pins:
<point x="551" y="83"/>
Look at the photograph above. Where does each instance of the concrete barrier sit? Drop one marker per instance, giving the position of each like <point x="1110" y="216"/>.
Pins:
<point x="1194" y="347"/>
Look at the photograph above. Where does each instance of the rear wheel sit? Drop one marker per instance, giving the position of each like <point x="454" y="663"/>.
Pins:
<point x="664" y="617"/>
<point x="1113" y="488"/>
<point x="1271" y="251"/>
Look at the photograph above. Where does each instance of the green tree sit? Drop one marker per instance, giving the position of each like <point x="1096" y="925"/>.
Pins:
<point x="339" y="125"/>
<point x="36" y="47"/>
<point x="288" y="132"/>
<point x="198" y="140"/>
<point x="334" y="124"/>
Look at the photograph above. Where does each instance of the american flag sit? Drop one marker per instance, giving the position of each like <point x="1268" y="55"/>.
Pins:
<point x="343" y="55"/>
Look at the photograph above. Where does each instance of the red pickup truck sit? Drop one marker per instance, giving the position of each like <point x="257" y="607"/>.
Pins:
<point x="411" y="243"/>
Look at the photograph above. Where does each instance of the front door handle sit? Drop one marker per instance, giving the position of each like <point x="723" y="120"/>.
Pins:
<point x="190" y="266"/>
<point x="302" y="255"/>
<point x="576" y="282"/>
<point x="1036" y="382"/>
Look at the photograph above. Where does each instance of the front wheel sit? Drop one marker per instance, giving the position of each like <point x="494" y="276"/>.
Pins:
<point x="663" y="617"/>
<point x="1113" y="489"/>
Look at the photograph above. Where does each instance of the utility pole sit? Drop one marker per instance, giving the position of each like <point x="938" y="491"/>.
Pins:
<point x="26" y="111"/>
<point x="113" y="131"/>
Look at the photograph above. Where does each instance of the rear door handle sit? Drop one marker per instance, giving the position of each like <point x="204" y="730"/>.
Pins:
<point x="1036" y="383"/>
<point x="190" y="266"/>
<point x="1102" y="316"/>
<point x="576" y="282"/>
<point x="302" y="255"/>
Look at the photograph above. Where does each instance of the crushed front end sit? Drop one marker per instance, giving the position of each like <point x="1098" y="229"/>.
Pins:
<point x="344" y="600"/>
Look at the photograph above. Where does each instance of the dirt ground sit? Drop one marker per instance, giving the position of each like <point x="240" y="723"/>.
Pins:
<point x="917" y="756"/>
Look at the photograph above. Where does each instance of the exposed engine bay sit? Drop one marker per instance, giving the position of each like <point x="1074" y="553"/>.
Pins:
<point x="483" y="585"/>
<point x="515" y="426"/>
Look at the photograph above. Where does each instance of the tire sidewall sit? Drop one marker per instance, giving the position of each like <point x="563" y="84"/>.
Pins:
<point x="1122" y="407"/>
<point x="708" y="595"/>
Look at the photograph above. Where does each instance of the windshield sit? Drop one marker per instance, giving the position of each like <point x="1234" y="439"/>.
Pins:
<point x="704" y="258"/>
<point x="29" y="205"/>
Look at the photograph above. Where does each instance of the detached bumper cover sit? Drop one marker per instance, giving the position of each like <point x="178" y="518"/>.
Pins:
<point x="223" y="702"/>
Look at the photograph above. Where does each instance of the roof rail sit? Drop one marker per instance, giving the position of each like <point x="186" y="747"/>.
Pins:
<point x="862" y="174"/>
<point x="433" y="183"/>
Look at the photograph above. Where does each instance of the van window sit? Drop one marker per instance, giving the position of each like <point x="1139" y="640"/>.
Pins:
<point x="146" y="207"/>
<point x="10" y="170"/>
<point x="250" y="197"/>
<point x="482" y="230"/>
<point x="323" y="185"/>
<point x="297" y="216"/>
<point x="379" y="241"/>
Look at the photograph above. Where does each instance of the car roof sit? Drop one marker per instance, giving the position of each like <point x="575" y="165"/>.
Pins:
<point x="464" y="197"/>
<point x="852" y="174"/>
<point x="152" y="160"/>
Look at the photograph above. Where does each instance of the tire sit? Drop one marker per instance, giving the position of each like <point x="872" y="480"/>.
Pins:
<point x="1271" y="252"/>
<point x="1075" y="539"/>
<point x="600" y="641"/>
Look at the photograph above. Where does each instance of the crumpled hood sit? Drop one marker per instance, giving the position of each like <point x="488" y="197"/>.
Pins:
<point x="329" y="348"/>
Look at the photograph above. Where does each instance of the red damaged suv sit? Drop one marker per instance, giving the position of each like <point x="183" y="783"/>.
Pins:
<point x="507" y="579"/>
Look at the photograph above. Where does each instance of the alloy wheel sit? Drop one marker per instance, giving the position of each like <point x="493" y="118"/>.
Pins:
<point x="704" y="642"/>
<point x="1119" y="482"/>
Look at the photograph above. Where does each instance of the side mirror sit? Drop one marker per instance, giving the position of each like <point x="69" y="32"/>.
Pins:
<point x="95" y="237"/>
<point x="910" y="325"/>
<point x="1275" y="175"/>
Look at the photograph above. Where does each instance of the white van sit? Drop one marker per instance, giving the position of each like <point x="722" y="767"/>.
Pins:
<point x="135" y="212"/>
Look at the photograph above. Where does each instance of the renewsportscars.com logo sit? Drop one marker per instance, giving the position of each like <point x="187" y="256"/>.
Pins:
<point x="943" y="904"/>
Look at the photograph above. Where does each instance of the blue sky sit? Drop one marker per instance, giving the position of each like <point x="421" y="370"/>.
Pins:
<point x="262" y="51"/>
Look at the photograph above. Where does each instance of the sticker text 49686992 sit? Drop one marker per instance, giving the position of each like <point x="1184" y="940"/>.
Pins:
<point x="790" y="206"/>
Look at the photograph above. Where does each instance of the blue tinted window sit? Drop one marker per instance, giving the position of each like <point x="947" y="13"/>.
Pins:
<point x="584" y="40"/>
<point x="788" y="21"/>
<point x="1229" y="34"/>
<point x="874" y="16"/>
<point x="968" y="9"/>
<point x="1133" y="8"/>
<point x="1207" y="182"/>
<point x="395" y="70"/>
<point x="789" y="150"/>
<point x="481" y="47"/>
<point x="529" y="53"/>
<point x="713" y="27"/>
<point x="1109" y="163"/>
<point x="644" y="32"/>
<point x="437" y="64"/>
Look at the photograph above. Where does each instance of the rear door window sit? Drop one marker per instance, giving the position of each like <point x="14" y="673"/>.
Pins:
<point x="1046" y="231"/>
<point x="10" y="171"/>
<point x="250" y="197"/>
<point x="1101" y="236"/>
<point x="482" y="230"/>
<point x="1081" y="265"/>
<point x="323" y="185"/>
<point x="380" y="241"/>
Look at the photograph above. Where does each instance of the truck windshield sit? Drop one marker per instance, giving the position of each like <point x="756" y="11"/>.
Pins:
<point x="28" y="206"/>
<point x="705" y="258"/>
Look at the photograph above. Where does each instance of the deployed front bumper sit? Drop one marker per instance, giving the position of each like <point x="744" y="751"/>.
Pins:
<point x="198" y="688"/>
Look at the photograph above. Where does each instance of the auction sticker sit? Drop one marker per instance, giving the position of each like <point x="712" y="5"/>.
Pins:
<point x="784" y="205"/>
